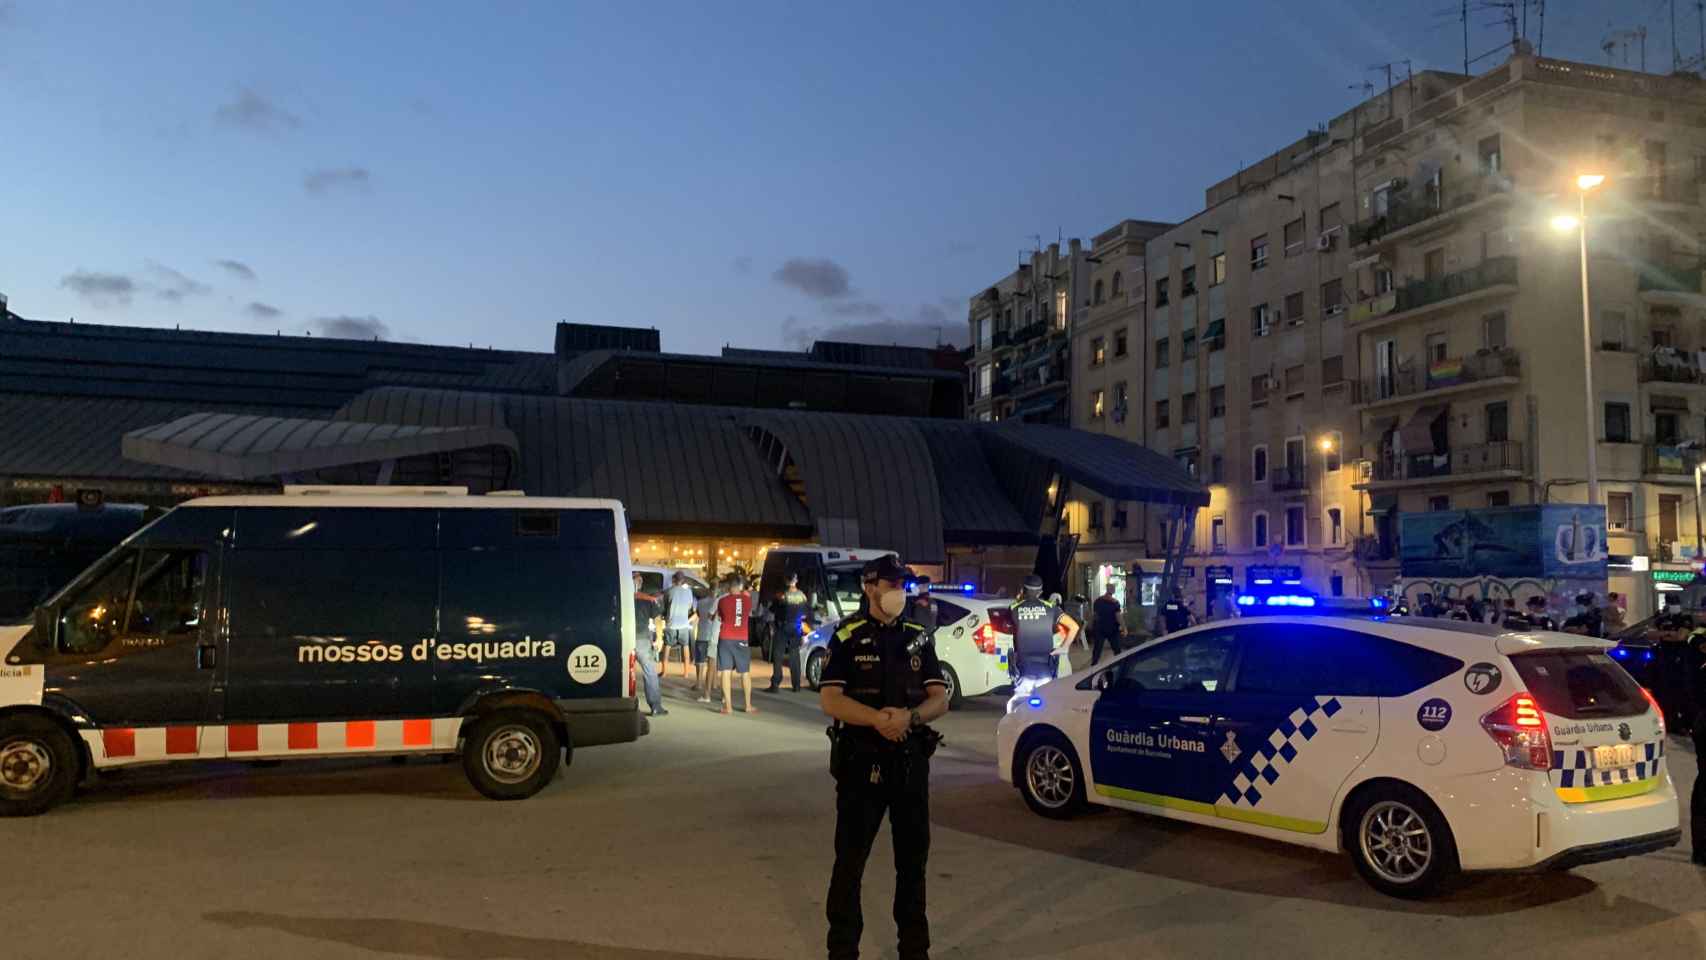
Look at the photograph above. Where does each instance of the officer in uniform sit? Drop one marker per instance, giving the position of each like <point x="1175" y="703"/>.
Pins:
<point x="881" y="685"/>
<point x="1694" y="658"/>
<point x="1035" y="622"/>
<point x="1175" y="616"/>
<point x="793" y="619"/>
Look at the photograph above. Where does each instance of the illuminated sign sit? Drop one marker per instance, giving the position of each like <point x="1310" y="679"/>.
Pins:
<point x="1673" y="576"/>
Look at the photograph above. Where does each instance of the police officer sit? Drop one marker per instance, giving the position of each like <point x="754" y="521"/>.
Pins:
<point x="1694" y="659"/>
<point x="1175" y="616"/>
<point x="1035" y="622"/>
<point x="793" y="616"/>
<point x="881" y="684"/>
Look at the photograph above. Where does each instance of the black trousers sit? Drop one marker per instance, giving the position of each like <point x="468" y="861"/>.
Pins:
<point x="859" y="809"/>
<point x="1096" y="641"/>
<point x="786" y="648"/>
<point x="1697" y="803"/>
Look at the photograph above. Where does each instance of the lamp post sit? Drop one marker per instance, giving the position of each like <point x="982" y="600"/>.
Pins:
<point x="1584" y="183"/>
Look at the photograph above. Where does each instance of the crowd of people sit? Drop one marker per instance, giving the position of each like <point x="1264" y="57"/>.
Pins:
<point x="1583" y="616"/>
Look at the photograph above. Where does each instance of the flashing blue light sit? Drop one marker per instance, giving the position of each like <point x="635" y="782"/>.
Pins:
<point x="1287" y="600"/>
<point x="1619" y="652"/>
<point x="1647" y="656"/>
<point x="968" y="588"/>
<point x="1377" y="603"/>
<point x="1264" y="582"/>
<point x="1293" y="583"/>
<point x="1246" y="601"/>
<point x="1035" y="703"/>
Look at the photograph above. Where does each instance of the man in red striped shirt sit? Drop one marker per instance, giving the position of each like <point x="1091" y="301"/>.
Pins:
<point x="734" y="612"/>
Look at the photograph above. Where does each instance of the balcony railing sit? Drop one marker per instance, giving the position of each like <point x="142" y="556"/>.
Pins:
<point x="1035" y="331"/>
<point x="1679" y="190"/>
<point x="1286" y="478"/>
<point x="1458" y="461"/>
<point x="1668" y="279"/>
<point x="1452" y="372"/>
<point x="1668" y="458"/>
<point x="1420" y="203"/>
<point x="999" y="339"/>
<point x="1664" y="365"/>
<point x="1490" y="272"/>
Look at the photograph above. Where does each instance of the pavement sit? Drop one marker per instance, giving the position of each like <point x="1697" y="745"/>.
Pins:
<point x="710" y="838"/>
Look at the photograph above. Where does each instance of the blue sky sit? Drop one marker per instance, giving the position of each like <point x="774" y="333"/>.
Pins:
<point x="728" y="172"/>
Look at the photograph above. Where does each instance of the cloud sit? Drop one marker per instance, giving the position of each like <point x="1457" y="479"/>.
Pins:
<point x="352" y="328"/>
<point x="174" y="287"/>
<point x="742" y="266"/>
<point x="236" y="268"/>
<point x="263" y="311"/>
<point x="822" y="279"/>
<point x="100" y="289"/>
<point x="927" y="325"/>
<point x="252" y="111"/>
<point x="335" y="178"/>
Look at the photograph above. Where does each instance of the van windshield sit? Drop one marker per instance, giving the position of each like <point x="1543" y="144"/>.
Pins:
<point x="846" y="587"/>
<point x="1579" y="684"/>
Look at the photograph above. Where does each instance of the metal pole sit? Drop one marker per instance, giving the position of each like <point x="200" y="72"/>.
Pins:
<point x="1698" y="541"/>
<point x="1587" y="361"/>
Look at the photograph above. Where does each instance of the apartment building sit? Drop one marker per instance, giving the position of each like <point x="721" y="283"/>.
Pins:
<point x="1467" y="315"/>
<point x="1021" y="336"/>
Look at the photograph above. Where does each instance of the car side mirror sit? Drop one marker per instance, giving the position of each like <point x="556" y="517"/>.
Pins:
<point x="1104" y="680"/>
<point x="47" y="620"/>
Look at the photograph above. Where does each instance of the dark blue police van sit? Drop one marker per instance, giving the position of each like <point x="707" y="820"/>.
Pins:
<point x="330" y="622"/>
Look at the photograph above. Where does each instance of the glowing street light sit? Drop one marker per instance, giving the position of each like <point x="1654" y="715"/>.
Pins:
<point x="1326" y="444"/>
<point x="1565" y="223"/>
<point x="1588" y="181"/>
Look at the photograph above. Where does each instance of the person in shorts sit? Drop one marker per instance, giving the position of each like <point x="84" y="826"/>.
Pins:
<point x="734" y="613"/>
<point x="678" y="624"/>
<point x="705" y="645"/>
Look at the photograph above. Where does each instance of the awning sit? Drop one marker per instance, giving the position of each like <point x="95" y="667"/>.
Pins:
<point x="1215" y="328"/>
<point x="1379" y="427"/>
<point x="1379" y="503"/>
<point x="244" y="446"/>
<point x="1417" y="433"/>
<point x="1108" y="465"/>
<point x="1662" y="401"/>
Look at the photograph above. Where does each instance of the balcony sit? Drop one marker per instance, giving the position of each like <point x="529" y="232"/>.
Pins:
<point x="1035" y="331"/>
<point x="1405" y="211"/>
<point x="1289" y="479"/>
<point x="1485" y="368"/>
<point x="1676" y="191"/>
<point x="1492" y="272"/>
<point x="999" y="339"/>
<point x="1460" y="463"/>
<point x="1656" y="279"/>
<point x="1669" y="460"/>
<point x="1667" y="365"/>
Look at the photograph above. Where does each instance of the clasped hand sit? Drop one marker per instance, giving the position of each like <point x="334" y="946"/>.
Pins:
<point x="894" y="723"/>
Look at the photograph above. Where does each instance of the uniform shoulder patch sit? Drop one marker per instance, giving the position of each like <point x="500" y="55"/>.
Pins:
<point x="913" y="626"/>
<point x="846" y="630"/>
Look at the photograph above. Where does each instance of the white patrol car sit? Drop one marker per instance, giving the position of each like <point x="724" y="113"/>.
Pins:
<point x="1421" y="748"/>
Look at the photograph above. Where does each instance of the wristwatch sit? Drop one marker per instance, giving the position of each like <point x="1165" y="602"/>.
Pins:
<point x="917" y="720"/>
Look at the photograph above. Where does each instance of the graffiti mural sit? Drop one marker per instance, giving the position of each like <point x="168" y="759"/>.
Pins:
<point x="1543" y="541"/>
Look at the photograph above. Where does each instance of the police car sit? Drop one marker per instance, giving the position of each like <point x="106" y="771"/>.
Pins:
<point x="974" y="638"/>
<point x="1420" y="748"/>
<point x="330" y="622"/>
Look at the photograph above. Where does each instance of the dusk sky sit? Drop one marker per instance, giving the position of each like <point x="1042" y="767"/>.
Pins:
<point x="755" y="173"/>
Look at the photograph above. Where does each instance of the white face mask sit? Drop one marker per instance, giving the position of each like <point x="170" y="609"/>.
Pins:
<point x="892" y="603"/>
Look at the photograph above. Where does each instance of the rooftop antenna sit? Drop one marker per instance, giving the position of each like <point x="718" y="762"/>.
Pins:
<point x="1622" y="39"/>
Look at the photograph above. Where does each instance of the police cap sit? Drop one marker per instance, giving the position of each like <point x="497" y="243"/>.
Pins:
<point x="1033" y="582"/>
<point x="885" y="567"/>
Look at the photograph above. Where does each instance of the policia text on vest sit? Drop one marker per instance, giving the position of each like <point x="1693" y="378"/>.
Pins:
<point x="882" y="683"/>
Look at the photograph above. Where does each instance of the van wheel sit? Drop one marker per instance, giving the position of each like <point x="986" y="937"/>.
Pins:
<point x="955" y="698"/>
<point x="1050" y="777"/>
<point x="511" y="754"/>
<point x="39" y="766"/>
<point x="1399" y="842"/>
<point x="814" y="668"/>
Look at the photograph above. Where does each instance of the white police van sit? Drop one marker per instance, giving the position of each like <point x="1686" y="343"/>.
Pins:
<point x="1419" y="747"/>
<point x="330" y="622"/>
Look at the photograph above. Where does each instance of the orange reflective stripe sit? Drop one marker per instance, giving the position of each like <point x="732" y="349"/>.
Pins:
<point x="359" y="733"/>
<point x="417" y="733"/>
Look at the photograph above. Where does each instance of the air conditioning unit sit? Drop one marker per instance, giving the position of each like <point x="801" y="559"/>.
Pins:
<point x="1335" y="310"/>
<point x="1327" y="241"/>
<point x="1270" y="382"/>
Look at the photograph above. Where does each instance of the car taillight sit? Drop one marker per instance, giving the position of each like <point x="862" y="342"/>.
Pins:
<point x="985" y="638"/>
<point x="1520" y="731"/>
<point x="1002" y="620"/>
<point x="1658" y="711"/>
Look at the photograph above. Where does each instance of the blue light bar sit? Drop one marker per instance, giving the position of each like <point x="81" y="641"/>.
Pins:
<point x="1377" y="603"/>
<point x="968" y="588"/>
<point x="1264" y="581"/>
<point x="1246" y="600"/>
<point x="1287" y="600"/>
<point x="1035" y="703"/>
<point x="1293" y="583"/>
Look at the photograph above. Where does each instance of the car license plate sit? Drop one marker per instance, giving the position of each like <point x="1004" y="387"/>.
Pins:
<point x="1614" y="756"/>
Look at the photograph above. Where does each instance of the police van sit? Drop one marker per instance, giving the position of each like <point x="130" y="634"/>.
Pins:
<point x="1418" y="747"/>
<point x="330" y="622"/>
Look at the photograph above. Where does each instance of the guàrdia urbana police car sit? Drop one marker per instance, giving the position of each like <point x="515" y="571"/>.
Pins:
<point x="1420" y="748"/>
<point x="330" y="622"/>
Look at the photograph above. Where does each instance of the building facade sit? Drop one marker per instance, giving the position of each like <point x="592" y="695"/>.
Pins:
<point x="1021" y="336"/>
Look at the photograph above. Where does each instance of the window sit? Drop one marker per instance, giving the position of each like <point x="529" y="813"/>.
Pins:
<point x="1098" y="404"/>
<point x="1060" y="309"/>
<point x="1439" y="504"/>
<point x="1332" y="370"/>
<point x="1217" y="535"/>
<point x="1194" y="664"/>
<point x="1668" y="504"/>
<point x="1098" y="351"/>
<point x="1215" y="335"/>
<point x="1259" y="388"/>
<point x="1311" y="660"/>
<point x="1096" y="511"/>
<point x="154" y="594"/>
<point x="1188" y="408"/>
<point x="1119" y="343"/>
<point x="1217" y="270"/>
<point x="1498" y="422"/>
<point x="1618" y="508"/>
<point x="1097" y="296"/>
<point x="1616" y="422"/>
<point x="1120" y="397"/>
<point x="1493" y="331"/>
<point x="1491" y="159"/>
<point x="1613" y="330"/>
<point x="1335" y="451"/>
<point x="981" y="332"/>
<point x="1667" y="428"/>
<point x="1188" y="460"/>
<point x="1337" y="583"/>
<point x="949" y="613"/>
<point x="1216" y="402"/>
<point x="1433" y="264"/>
<point x="1294" y="380"/>
<point x="1260" y="323"/>
<point x="1382" y="280"/>
<point x="1259" y="252"/>
<point x="985" y="380"/>
<point x="1029" y="316"/>
<point x="1188" y="282"/>
<point x="1216" y="469"/>
<point x="1335" y="527"/>
<point x="1498" y="498"/>
<point x="1161" y="292"/>
<point x="1294" y="456"/>
<point x="1294" y="237"/>
<point x="1161" y="351"/>
<point x="1662" y="337"/>
<point x="1438" y="349"/>
<point x="1188" y="345"/>
<point x="1331" y="219"/>
<point x="1119" y="521"/>
<point x="1333" y="297"/>
<point x="1259" y="529"/>
<point x="1115" y="288"/>
<point x="1294" y="308"/>
<point x="1380" y="200"/>
<point x="1161" y="415"/>
<point x="1294" y="526"/>
<point x="1259" y="463"/>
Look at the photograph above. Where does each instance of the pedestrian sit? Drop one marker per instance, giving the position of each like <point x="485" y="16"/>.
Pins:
<point x="734" y="611"/>
<point x="1472" y="606"/>
<point x="1105" y="624"/>
<point x="1537" y="616"/>
<point x="793" y="620"/>
<point x="1036" y="624"/>
<point x="881" y="685"/>
<point x="678" y="624"/>
<point x="646" y="618"/>
<point x="1510" y="616"/>
<point x="1696" y="663"/>
<point x="1614" y="615"/>
<point x="1175" y="616"/>
<point x="705" y="645"/>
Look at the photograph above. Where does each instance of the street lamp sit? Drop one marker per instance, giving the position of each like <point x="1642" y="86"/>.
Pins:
<point x="1326" y="444"/>
<point x="1566" y="223"/>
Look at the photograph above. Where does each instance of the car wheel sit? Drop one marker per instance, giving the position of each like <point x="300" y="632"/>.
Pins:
<point x="1400" y="842"/>
<point x="1050" y="777"/>
<point x="39" y="766"/>
<point x="511" y="754"/>
<point x="955" y="698"/>
<point x="814" y="669"/>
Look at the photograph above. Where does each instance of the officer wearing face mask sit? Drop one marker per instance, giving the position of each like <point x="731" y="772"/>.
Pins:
<point x="881" y="684"/>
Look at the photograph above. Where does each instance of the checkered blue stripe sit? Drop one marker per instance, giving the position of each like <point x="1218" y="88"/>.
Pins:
<point x="1574" y="768"/>
<point x="1262" y="765"/>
